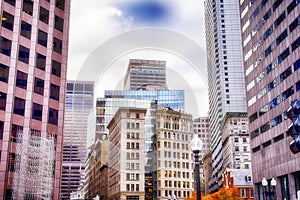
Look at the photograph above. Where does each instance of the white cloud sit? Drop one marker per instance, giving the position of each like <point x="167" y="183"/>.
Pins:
<point x="96" y="21"/>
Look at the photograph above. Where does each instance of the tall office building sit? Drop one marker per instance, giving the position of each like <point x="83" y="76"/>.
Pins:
<point x="145" y="73"/>
<point x="225" y="73"/>
<point x="79" y="104"/>
<point x="270" y="35"/>
<point x="33" y="58"/>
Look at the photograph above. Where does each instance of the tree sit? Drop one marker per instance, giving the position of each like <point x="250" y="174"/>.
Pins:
<point x="223" y="194"/>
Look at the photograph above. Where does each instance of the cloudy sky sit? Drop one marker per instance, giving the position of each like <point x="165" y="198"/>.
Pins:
<point x="98" y="24"/>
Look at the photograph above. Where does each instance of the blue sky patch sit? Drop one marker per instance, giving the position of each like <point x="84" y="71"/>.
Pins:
<point x="149" y="12"/>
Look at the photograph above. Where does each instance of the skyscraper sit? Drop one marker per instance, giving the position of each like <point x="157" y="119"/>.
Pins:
<point x="226" y="82"/>
<point x="33" y="58"/>
<point x="145" y="73"/>
<point x="79" y="104"/>
<point x="270" y="35"/>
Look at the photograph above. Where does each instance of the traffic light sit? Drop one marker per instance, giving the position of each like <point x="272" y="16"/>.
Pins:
<point x="293" y="114"/>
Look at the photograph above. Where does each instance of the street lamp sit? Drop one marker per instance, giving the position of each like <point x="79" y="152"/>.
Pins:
<point x="196" y="146"/>
<point x="272" y="192"/>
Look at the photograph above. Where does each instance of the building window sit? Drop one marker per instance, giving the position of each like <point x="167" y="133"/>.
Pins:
<point x="254" y="134"/>
<point x="274" y="102"/>
<point x="39" y="86"/>
<point x="7" y="21"/>
<point x="251" y="193"/>
<point x="4" y="71"/>
<point x="11" y="2"/>
<point x="292" y="5"/>
<point x="283" y="55"/>
<point x="42" y="38"/>
<point x="288" y="93"/>
<point x="243" y="192"/>
<point x="56" y="68"/>
<point x="1" y="129"/>
<point x="263" y="110"/>
<point x="16" y="133"/>
<point x="281" y="37"/>
<point x="26" y="30"/>
<point x="279" y="20"/>
<point x="297" y="65"/>
<point x="37" y="111"/>
<point x="57" y="45"/>
<point x="40" y="61"/>
<point x="273" y="84"/>
<point x="28" y="6"/>
<point x="294" y="24"/>
<point x="59" y="23"/>
<point x="276" y="120"/>
<point x="5" y="46"/>
<point x="60" y="4"/>
<point x="21" y="80"/>
<point x="279" y="137"/>
<point x="12" y="161"/>
<point x="54" y="92"/>
<point x="53" y="116"/>
<point x="44" y="15"/>
<point x="276" y="4"/>
<point x="296" y="44"/>
<point x="2" y="101"/>
<point x="265" y="127"/>
<point x="19" y="106"/>
<point x="23" y="54"/>
<point x="253" y="117"/>
<point x="268" y="32"/>
<point x="284" y="183"/>
<point x="266" y="144"/>
<point x="285" y="74"/>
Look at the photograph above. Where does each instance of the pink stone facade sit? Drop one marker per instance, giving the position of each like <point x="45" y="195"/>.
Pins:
<point x="53" y="75"/>
<point x="270" y="35"/>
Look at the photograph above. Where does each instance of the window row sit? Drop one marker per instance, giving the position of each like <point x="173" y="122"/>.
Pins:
<point x="168" y="164"/>
<point x="132" y="166"/>
<point x="175" y="174"/>
<point x="133" y="135"/>
<point x="175" y="136"/>
<point x="277" y="22"/>
<point x="169" y="193"/>
<point x="133" y="125"/>
<point x="177" y="184"/>
<point x="132" y="156"/>
<point x="132" y="145"/>
<point x="8" y="22"/>
<point x="28" y="5"/>
<point x="132" y="177"/>
<point x="23" y="56"/>
<point x="132" y="187"/>
<point x="174" y="145"/>
<point x="268" y="143"/>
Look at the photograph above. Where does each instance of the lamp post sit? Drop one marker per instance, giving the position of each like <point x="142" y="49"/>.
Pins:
<point x="272" y="192"/>
<point x="196" y="145"/>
